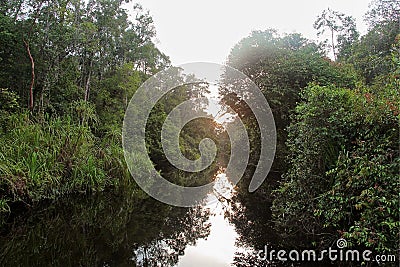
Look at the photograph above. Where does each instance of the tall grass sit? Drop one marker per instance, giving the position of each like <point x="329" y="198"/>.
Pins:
<point x="54" y="157"/>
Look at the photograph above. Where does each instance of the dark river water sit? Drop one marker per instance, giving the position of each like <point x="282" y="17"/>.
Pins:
<point x="128" y="228"/>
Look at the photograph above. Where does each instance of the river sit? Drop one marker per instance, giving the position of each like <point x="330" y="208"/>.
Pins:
<point x="127" y="228"/>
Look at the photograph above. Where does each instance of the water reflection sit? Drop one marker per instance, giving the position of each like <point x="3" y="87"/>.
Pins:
<point x="250" y="213"/>
<point x="102" y="230"/>
<point x="124" y="229"/>
<point x="217" y="249"/>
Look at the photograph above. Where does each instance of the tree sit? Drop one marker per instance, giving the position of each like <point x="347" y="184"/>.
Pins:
<point x="382" y="12"/>
<point x="68" y="45"/>
<point x="372" y="53"/>
<point x="78" y="59"/>
<point x="344" y="158"/>
<point x="342" y="30"/>
<point x="281" y="67"/>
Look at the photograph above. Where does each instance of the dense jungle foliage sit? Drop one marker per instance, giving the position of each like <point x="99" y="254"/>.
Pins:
<point x="68" y="69"/>
<point x="336" y="168"/>
<point x="67" y="72"/>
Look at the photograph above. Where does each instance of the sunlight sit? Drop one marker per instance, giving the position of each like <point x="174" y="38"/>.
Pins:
<point x="215" y="109"/>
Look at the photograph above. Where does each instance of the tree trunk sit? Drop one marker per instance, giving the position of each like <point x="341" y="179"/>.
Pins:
<point x="333" y="46"/>
<point x="87" y="86"/>
<point x="33" y="75"/>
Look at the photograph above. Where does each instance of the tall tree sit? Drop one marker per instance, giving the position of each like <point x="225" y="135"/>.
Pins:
<point x="60" y="49"/>
<point x="281" y="67"/>
<point x="371" y="54"/>
<point x="342" y="31"/>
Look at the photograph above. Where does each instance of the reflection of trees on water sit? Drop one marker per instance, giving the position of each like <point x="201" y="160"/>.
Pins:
<point x="251" y="215"/>
<point x="102" y="230"/>
<point x="177" y="232"/>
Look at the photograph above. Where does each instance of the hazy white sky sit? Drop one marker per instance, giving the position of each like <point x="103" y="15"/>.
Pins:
<point x="206" y="30"/>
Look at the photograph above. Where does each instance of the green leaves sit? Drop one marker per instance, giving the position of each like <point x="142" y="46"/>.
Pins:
<point x="342" y="31"/>
<point x="282" y="66"/>
<point x="74" y="44"/>
<point x="344" y="162"/>
<point x="56" y="157"/>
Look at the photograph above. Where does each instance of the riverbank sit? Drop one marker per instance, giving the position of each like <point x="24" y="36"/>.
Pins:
<point x="47" y="158"/>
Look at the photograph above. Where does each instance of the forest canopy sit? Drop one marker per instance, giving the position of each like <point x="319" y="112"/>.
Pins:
<point x="68" y="69"/>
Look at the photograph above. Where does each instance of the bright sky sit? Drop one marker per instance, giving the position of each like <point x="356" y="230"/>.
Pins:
<point x="206" y="30"/>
